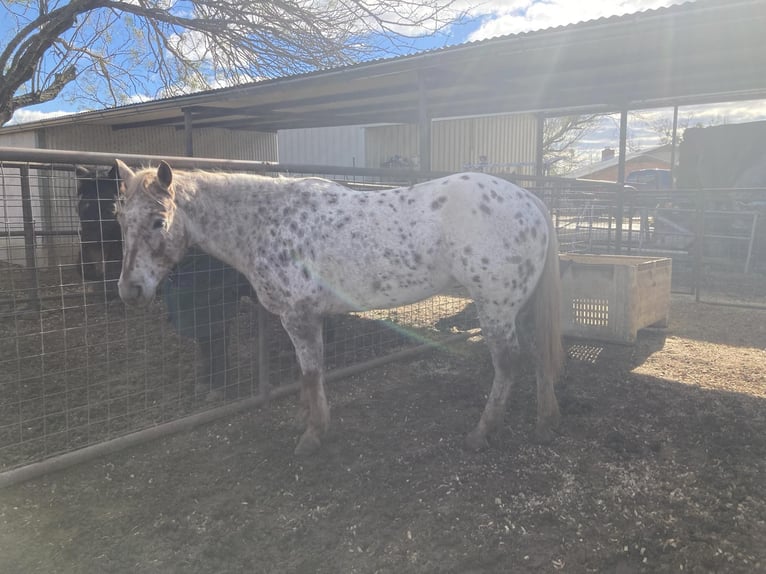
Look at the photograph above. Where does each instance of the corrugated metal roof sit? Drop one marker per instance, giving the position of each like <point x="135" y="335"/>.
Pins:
<point x="697" y="52"/>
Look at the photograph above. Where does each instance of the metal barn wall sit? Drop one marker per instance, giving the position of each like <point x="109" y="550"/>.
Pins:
<point x="19" y="139"/>
<point x="208" y="142"/>
<point x="12" y="244"/>
<point x="504" y="140"/>
<point x="12" y="217"/>
<point x="340" y="146"/>
<point x="382" y="143"/>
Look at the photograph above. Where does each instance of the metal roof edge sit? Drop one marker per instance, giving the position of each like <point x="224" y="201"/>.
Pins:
<point x="542" y="35"/>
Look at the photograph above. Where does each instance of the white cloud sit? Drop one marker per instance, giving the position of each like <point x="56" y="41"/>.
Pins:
<point x="138" y="99"/>
<point x="24" y="116"/>
<point x="514" y="16"/>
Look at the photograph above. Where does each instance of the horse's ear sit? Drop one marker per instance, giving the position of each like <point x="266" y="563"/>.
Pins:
<point x="164" y="174"/>
<point x="82" y="172"/>
<point x="123" y="171"/>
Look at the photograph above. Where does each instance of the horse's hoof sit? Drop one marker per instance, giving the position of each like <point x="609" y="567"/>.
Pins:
<point x="544" y="434"/>
<point x="202" y="389"/>
<point x="301" y="419"/>
<point x="476" y="441"/>
<point x="307" y="445"/>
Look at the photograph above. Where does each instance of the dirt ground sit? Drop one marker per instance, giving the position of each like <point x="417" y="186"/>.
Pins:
<point x="659" y="467"/>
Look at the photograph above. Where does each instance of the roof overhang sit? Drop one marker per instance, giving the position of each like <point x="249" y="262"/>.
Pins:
<point x="702" y="52"/>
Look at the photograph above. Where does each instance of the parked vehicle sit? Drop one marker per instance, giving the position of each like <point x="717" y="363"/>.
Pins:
<point x="650" y="179"/>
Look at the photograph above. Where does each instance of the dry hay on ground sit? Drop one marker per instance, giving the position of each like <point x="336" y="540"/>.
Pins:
<point x="659" y="468"/>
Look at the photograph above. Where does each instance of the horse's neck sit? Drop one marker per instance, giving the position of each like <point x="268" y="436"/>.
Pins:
<point x="214" y="222"/>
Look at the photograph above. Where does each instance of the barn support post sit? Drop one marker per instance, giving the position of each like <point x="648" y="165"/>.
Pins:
<point x="673" y="144"/>
<point x="424" y="126"/>
<point x="45" y="196"/>
<point x="188" y="133"/>
<point x="539" y="149"/>
<point x="30" y="246"/>
<point x="699" y="242"/>
<point x="620" y="207"/>
<point x="264" y="383"/>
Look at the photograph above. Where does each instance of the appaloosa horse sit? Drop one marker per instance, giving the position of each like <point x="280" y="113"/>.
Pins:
<point x="311" y="248"/>
<point x="200" y="293"/>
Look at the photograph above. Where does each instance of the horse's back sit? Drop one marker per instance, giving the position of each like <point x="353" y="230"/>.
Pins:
<point x="396" y="246"/>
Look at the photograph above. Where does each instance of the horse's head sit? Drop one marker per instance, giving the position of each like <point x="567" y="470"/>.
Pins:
<point x="154" y="239"/>
<point x="97" y="192"/>
<point x="100" y="238"/>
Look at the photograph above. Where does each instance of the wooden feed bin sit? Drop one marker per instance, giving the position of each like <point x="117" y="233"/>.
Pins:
<point x="611" y="297"/>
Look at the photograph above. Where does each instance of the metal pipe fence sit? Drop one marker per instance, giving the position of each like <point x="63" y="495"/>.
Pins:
<point x="78" y="369"/>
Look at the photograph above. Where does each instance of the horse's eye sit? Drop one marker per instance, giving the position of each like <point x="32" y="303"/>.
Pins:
<point x="158" y="224"/>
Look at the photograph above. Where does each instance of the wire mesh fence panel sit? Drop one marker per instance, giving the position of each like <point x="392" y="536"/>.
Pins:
<point x="78" y="367"/>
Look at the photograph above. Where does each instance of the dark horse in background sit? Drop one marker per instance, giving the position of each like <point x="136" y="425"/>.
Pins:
<point x="201" y="293"/>
<point x="100" y="235"/>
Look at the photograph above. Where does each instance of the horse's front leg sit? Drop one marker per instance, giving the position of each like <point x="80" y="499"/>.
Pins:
<point x="306" y="334"/>
<point x="502" y="350"/>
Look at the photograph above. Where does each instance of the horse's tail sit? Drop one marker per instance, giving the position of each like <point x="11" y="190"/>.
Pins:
<point x="547" y="309"/>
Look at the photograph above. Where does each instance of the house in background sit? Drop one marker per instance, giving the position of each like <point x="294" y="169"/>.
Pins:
<point x="606" y="170"/>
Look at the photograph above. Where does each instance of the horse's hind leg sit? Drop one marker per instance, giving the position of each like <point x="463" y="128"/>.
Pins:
<point x="548" y="416"/>
<point x="501" y="347"/>
<point x="219" y="361"/>
<point x="213" y="355"/>
<point x="305" y="332"/>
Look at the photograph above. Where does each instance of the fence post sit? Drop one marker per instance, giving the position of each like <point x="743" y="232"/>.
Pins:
<point x="29" y="237"/>
<point x="699" y="241"/>
<point x="751" y="243"/>
<point x="264" y="384"/>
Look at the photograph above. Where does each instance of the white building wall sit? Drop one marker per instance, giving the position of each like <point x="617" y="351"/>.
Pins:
<point x="341" y="146"/>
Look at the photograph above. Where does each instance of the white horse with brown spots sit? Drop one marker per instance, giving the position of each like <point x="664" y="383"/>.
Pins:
<point x="311" y="247"/>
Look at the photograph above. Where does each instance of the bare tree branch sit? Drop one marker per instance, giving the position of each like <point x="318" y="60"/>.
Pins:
<point x="561" y="135"/>
<point x="176" y="46"/>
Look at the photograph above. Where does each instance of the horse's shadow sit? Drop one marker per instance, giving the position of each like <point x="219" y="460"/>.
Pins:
<point x="464" y="320"/>
<point x="584" y="356"/>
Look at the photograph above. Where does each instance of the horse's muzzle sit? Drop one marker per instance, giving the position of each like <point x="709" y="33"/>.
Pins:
<point x="133" y="293"/>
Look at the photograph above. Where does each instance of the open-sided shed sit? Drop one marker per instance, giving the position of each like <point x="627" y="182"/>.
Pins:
<point x="693" y="53"/>
<point x="697" y="52"/>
